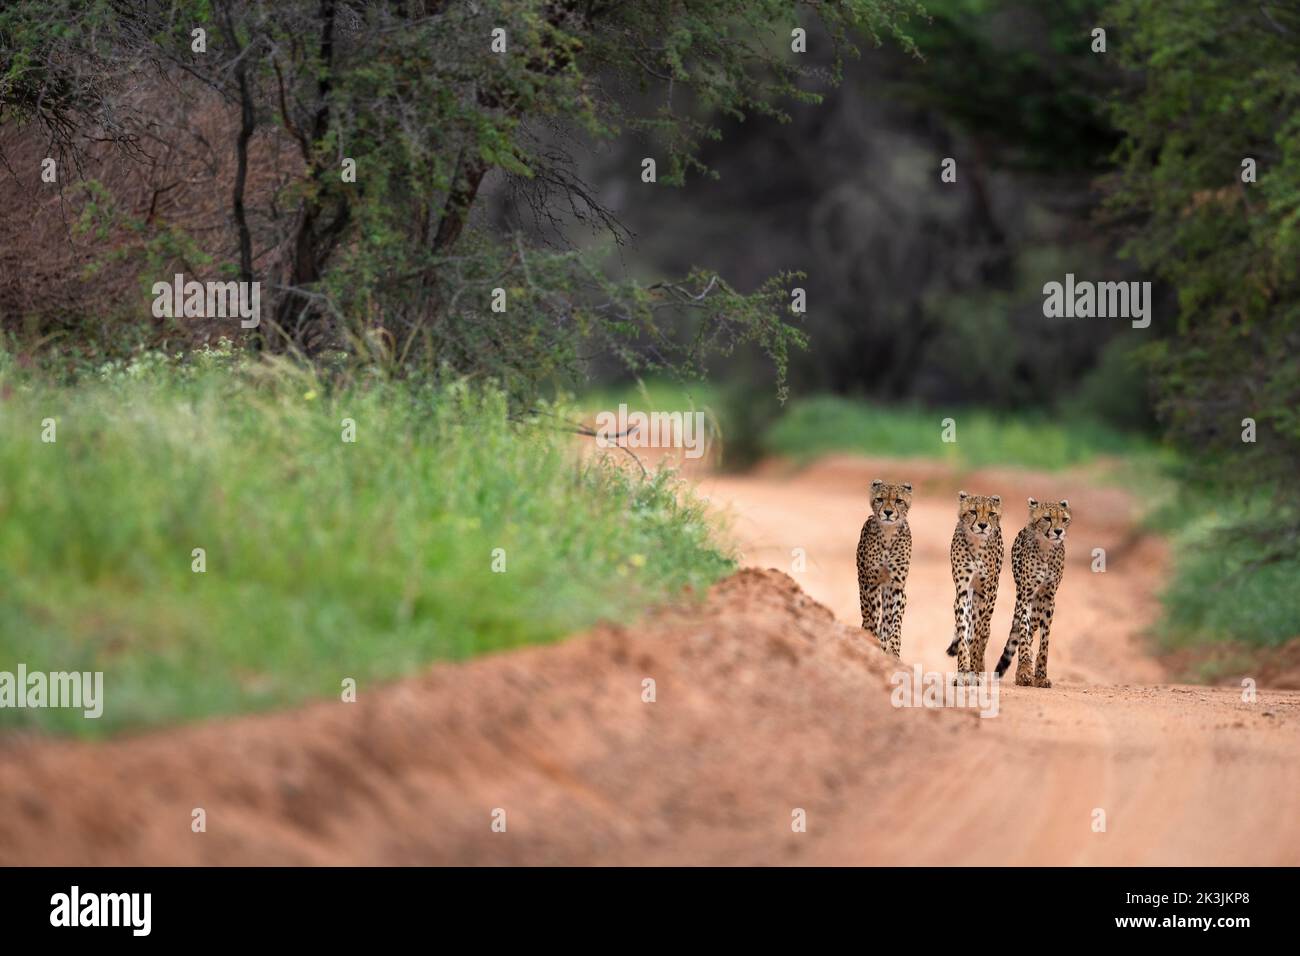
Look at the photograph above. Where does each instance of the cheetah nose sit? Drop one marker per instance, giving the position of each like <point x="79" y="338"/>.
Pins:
<point x="983" y="525"/>
<point x="888" y="513"/>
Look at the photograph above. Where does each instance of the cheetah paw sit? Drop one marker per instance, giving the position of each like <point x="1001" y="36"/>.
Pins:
<point x="1024" y="680"/>
<point x="1042" y="681"/>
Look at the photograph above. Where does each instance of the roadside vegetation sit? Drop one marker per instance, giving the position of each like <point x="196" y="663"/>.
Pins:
<point x="324" y="559"/>
<point x="1233" y="595"/>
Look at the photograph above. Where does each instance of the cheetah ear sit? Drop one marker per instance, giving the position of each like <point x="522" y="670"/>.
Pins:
<point x="907" y="486"/>
<point x="962" y="496"/>
<point x="996" y="499"/>
<point x="1065" y="503"/>
<point x="1033" y="503"/>
<point x="876" y="484"/>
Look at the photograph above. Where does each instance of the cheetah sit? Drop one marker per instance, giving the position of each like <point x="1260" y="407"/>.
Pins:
<point x="1038" y="562"/>
<point x="976" y="554"/>
<point x="884" y="557"/>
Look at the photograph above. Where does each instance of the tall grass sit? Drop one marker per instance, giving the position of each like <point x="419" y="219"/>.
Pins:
<point x="325" y="559"/>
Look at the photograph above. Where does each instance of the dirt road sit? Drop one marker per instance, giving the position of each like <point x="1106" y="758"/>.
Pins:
<point x="766" y="711"/>
<point x="1183" y="774"/>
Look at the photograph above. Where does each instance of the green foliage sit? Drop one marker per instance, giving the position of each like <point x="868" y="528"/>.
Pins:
<point x="1213" y="82"/>
<point x="730" y="57"/>
<point x="325" y="559"/>
<point x="526" y="349"/>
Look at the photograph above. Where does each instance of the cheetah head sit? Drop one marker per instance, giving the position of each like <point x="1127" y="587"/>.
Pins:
<point x="889" y="502"/>
<point x="1049" y="520"/>
<point x="980" y="515"/>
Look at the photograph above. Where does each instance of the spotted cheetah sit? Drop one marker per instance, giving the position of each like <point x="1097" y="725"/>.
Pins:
<point x="976" y="554"/>
<point x="884" y="557"/>
<point x="1038" y="561"/>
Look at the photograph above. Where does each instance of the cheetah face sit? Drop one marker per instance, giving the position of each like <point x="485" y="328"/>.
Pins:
<point x="980" y="515"/>
<point x="889" y="502"/>
<point x="1049" y="520"/>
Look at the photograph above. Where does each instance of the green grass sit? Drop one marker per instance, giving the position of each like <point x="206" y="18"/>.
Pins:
<point x="816" y="426"/>
<point x="325" y="559"/>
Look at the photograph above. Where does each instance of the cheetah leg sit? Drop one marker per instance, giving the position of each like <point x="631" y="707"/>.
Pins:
<point x="1019" y="624"/>
<point x="1024" y="666"/>
<point x="891" y="630"/>
<point x="963" y="612"/>
<point x="1043" y="620"/>
<point x="958" y="632"/>
<point x="871" y="604"/>
<point x="982" y="631"/>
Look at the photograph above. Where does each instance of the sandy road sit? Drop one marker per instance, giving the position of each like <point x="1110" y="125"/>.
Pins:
<point x="1183" y="774"/>
<point x="767" y="710"/>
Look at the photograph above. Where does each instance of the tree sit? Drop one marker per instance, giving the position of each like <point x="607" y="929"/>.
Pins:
<point x="428" y="101"/>
<point x="1212" y="85"/>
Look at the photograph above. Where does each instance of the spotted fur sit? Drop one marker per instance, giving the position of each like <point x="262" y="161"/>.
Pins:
<point x="1038" y="562"/>
<point x="884" y="557"/>
<point x="976" y="554"/>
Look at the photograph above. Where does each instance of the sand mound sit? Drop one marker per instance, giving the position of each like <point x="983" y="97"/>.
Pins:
<point x="763" y="704"/>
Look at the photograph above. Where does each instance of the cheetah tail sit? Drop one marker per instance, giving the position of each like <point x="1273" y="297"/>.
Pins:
<point x="1008" y="652"/>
